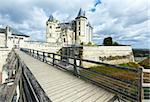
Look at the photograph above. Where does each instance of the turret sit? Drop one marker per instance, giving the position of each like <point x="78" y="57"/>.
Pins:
<point x="51" y="29"/>
<point x="81" y="22"/>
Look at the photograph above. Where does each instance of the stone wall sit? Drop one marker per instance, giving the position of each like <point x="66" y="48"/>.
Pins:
<point x="3" y="55"/>
<point x="108" y="54"/>
<point x="42" y="46"/>
<point x="2" y="40"/>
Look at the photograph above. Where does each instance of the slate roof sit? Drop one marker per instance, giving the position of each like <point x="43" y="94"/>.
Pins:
<point x="21" y="35"/>
<point x="81" y="13"/>
<point x="51" y="18"/>
<point x="65" y="25"/>
<point x="14" y="32"/>
<point x="2" y="30"/>
<point x="17" y="33"/>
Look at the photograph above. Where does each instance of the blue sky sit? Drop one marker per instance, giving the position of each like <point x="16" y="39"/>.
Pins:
<point x="126" y="21"/>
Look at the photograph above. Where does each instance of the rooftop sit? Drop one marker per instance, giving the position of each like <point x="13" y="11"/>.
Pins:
<point x="17" y="33"/>
<point x="51" y="18"/>
<point x="2" y="30"/>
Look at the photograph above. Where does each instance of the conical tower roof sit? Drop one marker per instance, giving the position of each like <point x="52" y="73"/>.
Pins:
<point x="51" y="18"/>
<point x="89" y="24"/>
<point x="81" y="13"/>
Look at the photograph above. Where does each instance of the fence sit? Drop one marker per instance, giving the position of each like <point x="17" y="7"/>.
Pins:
<point x="125" y="82"/>
<point x="21" y="85"/>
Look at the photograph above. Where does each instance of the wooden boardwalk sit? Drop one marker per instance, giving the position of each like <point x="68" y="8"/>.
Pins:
<point x="61" y="86"/>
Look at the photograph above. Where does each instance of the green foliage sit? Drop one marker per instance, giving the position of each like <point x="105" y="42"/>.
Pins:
<point x="118" y="73"/>
<point x="115" y="44"/>
<point x="108" y="41"/>
<point x="141" y="52"/>
<point x="130" y="64"/>
<point x="145" y="63"/>
<point x="81" y="43"/>
<point x="89" y="44"/>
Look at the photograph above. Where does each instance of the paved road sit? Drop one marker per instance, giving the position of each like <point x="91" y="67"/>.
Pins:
<point x="61" y="86"/>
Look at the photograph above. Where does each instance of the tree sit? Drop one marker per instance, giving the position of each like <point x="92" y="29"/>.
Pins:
<point x="89" y="44"/>
<point x="115" y="44"/>
<point x="81" y="43"/>
<point x="108" y="41"/>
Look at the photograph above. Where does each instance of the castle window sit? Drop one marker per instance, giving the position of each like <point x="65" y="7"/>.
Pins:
<point x="64" y="40"/>
<point x="57" y="27"/>
<point x="79" y="23"/>
<point x="50" y="26"/>
<point x="79" y="33"/>
<point x="79" y="28"/>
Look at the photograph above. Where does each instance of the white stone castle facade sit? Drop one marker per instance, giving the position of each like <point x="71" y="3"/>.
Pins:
<point x="75" y="32"/>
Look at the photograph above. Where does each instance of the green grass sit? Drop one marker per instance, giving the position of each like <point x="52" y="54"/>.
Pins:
<point x="115" y="72"/>
<point x="130" y="64"/>
<point x="118" y="73"/>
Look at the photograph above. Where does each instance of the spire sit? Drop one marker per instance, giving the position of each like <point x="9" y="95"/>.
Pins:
<point x="51" y="18"/>
<point x="88" y="24"/>
<point x="81" y="13"/>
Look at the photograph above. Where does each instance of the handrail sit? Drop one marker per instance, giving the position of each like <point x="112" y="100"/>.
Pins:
<point x="96" y="62"/>
<point x="22" y="78"/>
<point x="125" y="89"/>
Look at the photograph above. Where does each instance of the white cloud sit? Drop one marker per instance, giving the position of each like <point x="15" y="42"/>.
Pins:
<point x="125" y="20"/>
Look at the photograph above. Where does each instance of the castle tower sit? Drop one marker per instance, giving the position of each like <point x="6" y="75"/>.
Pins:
<point x="81" y="28"/>
<point x="89" y="32"/>
<point x="52" y="29"/>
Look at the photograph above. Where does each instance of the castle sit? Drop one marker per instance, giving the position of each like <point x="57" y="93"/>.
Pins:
<point x="69" y="36"/>
<point x="77" y="31"/>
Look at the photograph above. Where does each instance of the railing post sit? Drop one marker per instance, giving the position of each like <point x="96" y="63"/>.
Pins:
<point x="30" y="51"/>
<point x="76" y="73"/>
<point x="53" y="59"/>
<point x="43" y="56"/>
<point x="17" y="64"/>
<point x="33" y="53"/>
<point x="37" y="54"/>
<point x="140" y="93"/>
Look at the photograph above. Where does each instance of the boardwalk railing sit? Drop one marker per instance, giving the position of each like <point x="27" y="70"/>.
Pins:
<point x="20" y="85"/>
<point x="125" y="82"/>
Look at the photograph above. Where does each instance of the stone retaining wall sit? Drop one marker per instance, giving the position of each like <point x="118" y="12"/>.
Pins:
<point x="108" y="54"/>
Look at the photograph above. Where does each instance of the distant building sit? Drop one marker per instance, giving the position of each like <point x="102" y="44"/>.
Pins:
<point x="11" y="38"/>
<point x="3" y="38"/>
<point x="77" y="31"/>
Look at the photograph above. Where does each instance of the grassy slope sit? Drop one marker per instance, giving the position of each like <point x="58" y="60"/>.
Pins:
<point x="118" y="73"/>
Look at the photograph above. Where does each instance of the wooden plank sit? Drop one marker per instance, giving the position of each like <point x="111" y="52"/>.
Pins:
<point x="61" y="86"/>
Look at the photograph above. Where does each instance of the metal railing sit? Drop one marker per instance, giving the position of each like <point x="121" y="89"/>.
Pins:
<point x="21" y="85"/>
<point x="125" y="82"/>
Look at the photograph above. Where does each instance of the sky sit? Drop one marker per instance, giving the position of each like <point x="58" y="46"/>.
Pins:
<point x="126" y="21"/>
